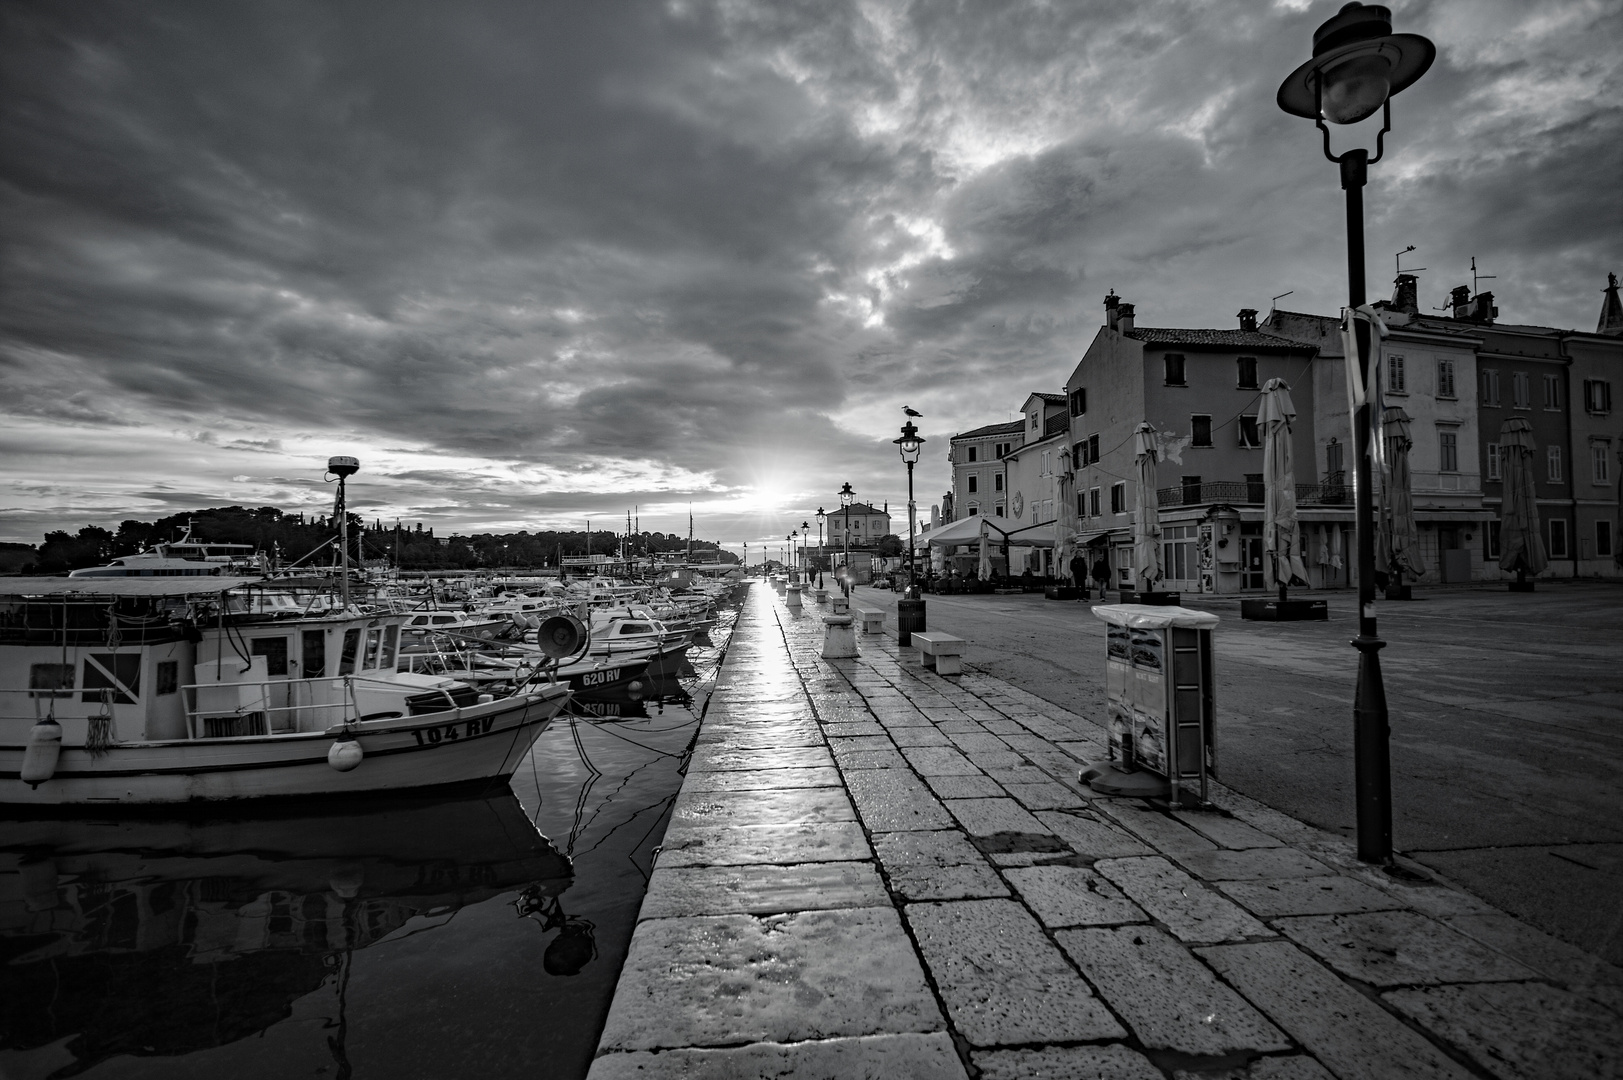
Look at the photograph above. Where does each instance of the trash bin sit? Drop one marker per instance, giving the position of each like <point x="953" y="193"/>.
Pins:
<point x="909" y="618"/>
<point x="1158" y="698"/>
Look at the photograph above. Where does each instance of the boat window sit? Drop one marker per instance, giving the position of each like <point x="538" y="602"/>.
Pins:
<point x="314" y="659"/>
<point x="274" y="650"/>
<point x="442" y="620"/>
<point x="635" y="628"/>
<point x="50" y="680"/>
<point x="421" y="620"/>
<point x="168" y="672"/>
<point x="391" y="639"/>
<point x="374" y="640"/>
<point x="352" y="645"/>
<point x="118" y="672"/>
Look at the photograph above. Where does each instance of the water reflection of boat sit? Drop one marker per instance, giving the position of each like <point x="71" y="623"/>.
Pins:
<point x="647" y="697"/>
<point x="164" y="935"/>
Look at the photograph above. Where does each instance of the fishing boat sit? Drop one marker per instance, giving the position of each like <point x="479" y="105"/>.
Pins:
<point x="166" y="690"/>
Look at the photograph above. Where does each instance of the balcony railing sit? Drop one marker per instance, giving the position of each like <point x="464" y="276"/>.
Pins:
<point x="1056" y="424"/>
<point x="1333" y="492"/>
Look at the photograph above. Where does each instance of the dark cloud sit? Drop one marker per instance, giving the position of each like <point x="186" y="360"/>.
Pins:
<point x="533" y="261"/>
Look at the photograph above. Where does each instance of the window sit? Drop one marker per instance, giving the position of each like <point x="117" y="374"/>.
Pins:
<point x="1597" y="396"/>
<point x="974" y="509"/>
<point x="1174" y="365"/>
<point x="168" y="672"/>
<point x="118" y="672"/>
<point x="997" y="481"/>
<point x="1202" y="427"/>
<point x="1552" y="464"/>
<point x="1489" y="381"/>
<point x="1248" y="431"/>
<point x="1191" y="489"/>
<point x="352" y="645"/>
<point x="974" y="483"/>
<point x="1333" y="464"/>
<point x="1448" y="451"/>
<point x="1552" y="391"/>
<point x="1093" y="448"/>
<point x="313" y="655"/>
<point x="1081" y="453"/>
<point x="972" y="453"/>
<point x="1396" y="380"/>
<point x="1048" y="464"/>
<point x="1521" y="394"/>
<point x="1493" y="461"/>
<point x="1036" y="421"/>
<point x="50" y="680"/>
<point x="1002" y="449"/>
<point x="1118" y="498"/>
<point x="1179" y="558"/>
<point x="1093" y="502"/>
<point x="274" y="650"/>
<point x="1445" y="378"/>
<point x="1600" y="461"/>
<point x="1248" y="373"/>
<point x="1603" y="539"/>
<point x="1081" y="504"/>
<point x="997" y="510"/>
<point x="1490" y="542"/>
<point x="1079" y="401"/>
<point x="1558" y="538"/>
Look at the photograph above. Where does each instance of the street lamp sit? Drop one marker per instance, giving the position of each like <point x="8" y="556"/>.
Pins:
<point x="846" y="497"/>
<point x="789" y="556"/>
<point x="1358" y="65"/>
<point x="910" y="443"/>
<point x="821" y="517"/>
<point x="805" y="534"/>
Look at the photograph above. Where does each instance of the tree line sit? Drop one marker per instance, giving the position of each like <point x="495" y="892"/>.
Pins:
<point x="295" y="538"/>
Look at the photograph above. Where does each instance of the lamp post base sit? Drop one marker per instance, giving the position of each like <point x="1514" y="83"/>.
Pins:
<point x="1371" y="755"/>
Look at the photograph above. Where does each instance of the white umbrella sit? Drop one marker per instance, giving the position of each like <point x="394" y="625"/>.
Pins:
<point x="1521" y="546"/>
<point x="1147" y="522"/>
<point x="1281" y="532"/>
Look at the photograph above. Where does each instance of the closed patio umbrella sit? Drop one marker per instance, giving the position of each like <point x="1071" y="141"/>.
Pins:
<point x="984" y="571"/>
<point x="1400" y="536"/>
<point x="1521" y="544"/>
<point x="1281" y="532"/>
<point x="1147" y="522"/>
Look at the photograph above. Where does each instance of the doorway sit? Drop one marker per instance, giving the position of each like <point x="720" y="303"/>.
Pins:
<point x="1251" y="576"/>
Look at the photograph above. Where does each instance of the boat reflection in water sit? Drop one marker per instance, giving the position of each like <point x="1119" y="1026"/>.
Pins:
<point x="624" y="703"/>
<point x="165" y="935"/>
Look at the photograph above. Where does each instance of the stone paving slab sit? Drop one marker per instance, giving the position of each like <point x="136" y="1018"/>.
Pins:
<point x="893" y="800"/>
<point x="875" y="1057"/>
<point x="939" y="761"/>
<point x="989" y="817"/>
<point x="1169" y="999"/>
<point x="790" y="806"/>
<point x="1350" y="1035"/>
<point x="1064" y="896"/>
<point x="1045" y="795"/>
<point x="1525" y="1031"/>
<point x="730" y="890"/>
<point x="1002" y="980"/>
<point x="1399" y="948"/>
<point x="713" y="845"/>
<point x="1229" y="832"/>
<point x="761" y="779"/>
<point x="787" y="978"/>
<point x="721" y="759"/>
<point x="1251" y="865"/>
<point x="1179" y="902"/>
<point x="867" y="759"/>
<point x="1066" y="1063"/>
<point x="1093" y="838"/>
<point x="851" y="730"/>
<point x="761" y="736"/>
<point x="965" y="787"/>
<point x="1335" y="895"/>
<point x="1159" y="830"/>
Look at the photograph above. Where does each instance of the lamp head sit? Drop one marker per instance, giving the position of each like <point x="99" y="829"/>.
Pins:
<point x="846" y="494"/>
<point x="821" y="515"/>
<point x="805" y="526"/>
<point x="1357" y="65"/>
<point x="909" y="443"/>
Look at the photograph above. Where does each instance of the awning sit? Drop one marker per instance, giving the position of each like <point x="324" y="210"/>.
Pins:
<point x="1045" y="535"/>
<point x="197" y="585"/>
<point x="963" y="531"/>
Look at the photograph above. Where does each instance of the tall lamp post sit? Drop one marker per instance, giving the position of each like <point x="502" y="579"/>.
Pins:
<point x="910" y="608"/>
<point x="789" y="556"/>
<point x="822" y="516"/>
<point x="1358" y="65"/>
<point x="846" y="498"/>
<point x="805" y="535"/>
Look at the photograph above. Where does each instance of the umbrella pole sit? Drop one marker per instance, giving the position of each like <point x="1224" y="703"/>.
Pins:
<point x="1371" y="734"/>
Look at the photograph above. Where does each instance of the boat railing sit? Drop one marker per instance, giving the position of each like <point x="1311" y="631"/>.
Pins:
<point x="227" y="709"/>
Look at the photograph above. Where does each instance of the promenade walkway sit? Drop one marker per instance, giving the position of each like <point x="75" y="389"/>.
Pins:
<point x="874" y="871"/>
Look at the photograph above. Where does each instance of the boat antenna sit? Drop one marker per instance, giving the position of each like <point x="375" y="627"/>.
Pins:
<point x="341" y="469"/>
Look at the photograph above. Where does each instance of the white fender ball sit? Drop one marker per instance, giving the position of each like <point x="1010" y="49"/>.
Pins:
<point x="344" y="754"/>
<point x="43" y="749"/>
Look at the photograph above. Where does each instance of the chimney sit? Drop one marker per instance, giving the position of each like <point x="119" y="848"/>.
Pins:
<point x="1124" y="318"/>
<point x="1406" y="294"/>
<point x="1482" y="309"/>
<point x="1460" y="300"/>
<point x="1111" y="301"/>
<point x="1248" y="318"/>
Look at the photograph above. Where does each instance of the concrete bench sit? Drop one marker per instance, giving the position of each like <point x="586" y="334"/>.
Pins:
<point x="873" y="620"/>
<point x="942" y="652"/>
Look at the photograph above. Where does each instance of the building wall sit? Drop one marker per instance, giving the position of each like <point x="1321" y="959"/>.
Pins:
<point x="867" y="526"/>
<point x="1112" y="371"/>
<point x="987" y="464"/>
<point x="1033" y="489"/>
<point x="1596" y="501"/>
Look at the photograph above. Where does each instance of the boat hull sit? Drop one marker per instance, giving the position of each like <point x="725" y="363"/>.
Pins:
<point x="484" y="741"/>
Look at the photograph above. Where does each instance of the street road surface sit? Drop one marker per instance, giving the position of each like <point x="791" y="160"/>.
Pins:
<point x="1506" y="713"/>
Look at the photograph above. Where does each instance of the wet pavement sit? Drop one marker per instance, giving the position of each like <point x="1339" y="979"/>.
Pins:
<point x="875" y="871"/>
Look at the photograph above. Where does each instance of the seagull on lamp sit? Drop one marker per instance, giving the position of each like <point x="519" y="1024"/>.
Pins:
<point x="910" y="411"/>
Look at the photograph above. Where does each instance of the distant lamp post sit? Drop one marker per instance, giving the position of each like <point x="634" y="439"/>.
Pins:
<point x="1358" y="65"/>
<point x="821" y="517"/>
<point x="789" y="556"/>
<point x="910" y="444"/>
<point x="805" y="535"/>
<point x="847" y="496"/>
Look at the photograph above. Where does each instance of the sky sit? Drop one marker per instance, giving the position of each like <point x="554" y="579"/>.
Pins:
<point x="539" y="262"/>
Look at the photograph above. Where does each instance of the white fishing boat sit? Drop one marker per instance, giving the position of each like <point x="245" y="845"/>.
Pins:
<point x="166" y="690"/>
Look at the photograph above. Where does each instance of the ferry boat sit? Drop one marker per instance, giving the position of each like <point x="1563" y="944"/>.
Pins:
<point x="184" y="557"/>
<point x="173" y="689"/>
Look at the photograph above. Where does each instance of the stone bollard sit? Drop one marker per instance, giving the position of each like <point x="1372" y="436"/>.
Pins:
<point x="791" y="599"/>
<point x="839" y="638"/>
<point x="820" y="595"/>
<point x="841" y="605"/>
<point x="780" y="584"/>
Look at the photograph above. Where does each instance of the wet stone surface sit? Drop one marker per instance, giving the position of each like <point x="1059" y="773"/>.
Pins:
<point x="1504" y="1028"/>
<point x="875" y="1057"/>
<point x="1398" y="948"/>
<point x="1066" y="1063"/>
<point x="762" y="807"/>
<point x="727" y="890"/>
<point x="1063" y="896"/>
<point x="1179" y="902"/>
<point x="891" y="800"/>
<point x="1309" y="896"/>
<point x="709" y="845"/>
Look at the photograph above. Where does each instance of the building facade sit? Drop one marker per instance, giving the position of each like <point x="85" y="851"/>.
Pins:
<point x="1032" y="477"/>
<point x="866" y="525"/>
<point x="977" y="470"/>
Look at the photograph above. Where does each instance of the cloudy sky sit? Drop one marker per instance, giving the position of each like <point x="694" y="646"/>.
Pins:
<point x="540" y="261"/>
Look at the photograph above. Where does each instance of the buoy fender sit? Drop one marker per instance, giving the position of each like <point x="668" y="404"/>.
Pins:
<point x="41" y="754"/>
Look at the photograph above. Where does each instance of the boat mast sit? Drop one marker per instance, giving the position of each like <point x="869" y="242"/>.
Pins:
<point x="343" y="467"/>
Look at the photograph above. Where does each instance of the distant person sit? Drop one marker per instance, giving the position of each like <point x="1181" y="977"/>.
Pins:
<point x="1101" y="573"/>
<point x="1079" y="570"/>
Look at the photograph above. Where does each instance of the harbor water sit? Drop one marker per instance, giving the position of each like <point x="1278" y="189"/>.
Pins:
<point x="480" y="934"/>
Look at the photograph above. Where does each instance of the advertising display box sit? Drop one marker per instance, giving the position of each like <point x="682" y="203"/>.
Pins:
<point x="1158" y="694"/>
